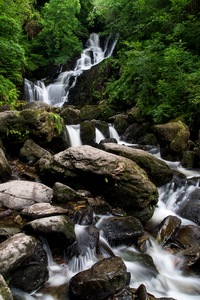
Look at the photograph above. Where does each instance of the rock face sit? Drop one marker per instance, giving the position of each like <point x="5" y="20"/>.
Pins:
<point x="19" y="193"/>
<point x="173" y="138"/>
<point x="121" y="181"/>
<point x="158" y="171"/>
<point x="104" y="279"/>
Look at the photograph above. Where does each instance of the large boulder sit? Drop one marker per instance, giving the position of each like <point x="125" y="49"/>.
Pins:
<point x="121" y="181"/>
<point x="40" y="125"/>
<point x="104" y="279"/>
<point x="18" y="193"/>
<point x="173" y="138"/>
<point x="158" y="171"/>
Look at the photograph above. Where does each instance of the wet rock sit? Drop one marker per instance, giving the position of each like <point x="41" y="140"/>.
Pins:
<point x="15" y="250"/>
<point x="158" y="171"/>
<point x="188" y="235"/>
<point x="121" y="123"/>
<point x="71" y="115"/>
<point x="104" y="279"/>
<point x="173" y="138"/>
<point x="122" y="230"/>
<point x="31" y="152"/>
<point x="20" y="193"/>
<point x="5" y="292"/>
<point x="40" y="210"/>
<point x="83" y="216"/>
<point x="64" y="194"/>
<point x="191" y="207"/>
<point x="87" y="133"/>
<point x="167" y="229"/>
<point x="136" y="132"/>
<point x="105" y="174"/>
<point x="5" y="170"/>
<point x="58" y="230"/>
<point x="99" y="205"/>
<point x="191" y="259"/>
<point x="29" y="278"/>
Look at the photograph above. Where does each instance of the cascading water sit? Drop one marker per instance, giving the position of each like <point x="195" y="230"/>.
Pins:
<point x="56" y="93"/>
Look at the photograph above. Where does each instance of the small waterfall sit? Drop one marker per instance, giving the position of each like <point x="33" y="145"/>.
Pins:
<point x="56" y="93"/>
<point x="99" y="136"/>
<point x="74" y="135"/>
<point x="113" y="132"/>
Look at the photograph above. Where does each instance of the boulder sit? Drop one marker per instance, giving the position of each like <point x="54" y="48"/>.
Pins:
<point x="41" y="126"/>
<point x="58" y="230"/>
<point x="19" y="193"/>
<point x="121" y="181"/>
<point x="122" y="230"/>
<point x="31" y="152"/>
<point x="136" y="133"/>
<point x="190" y="209"/>
<point x="15" y="250"/>
<point x="173" y="138"/>
<point x="40" y="210"/>
<point x="5" y="292"/>
<point x="5" y="170"/>
<point x="64" y="194"/>
<point x="70" y="115"/>
<point x="158" y="171"/>
<point x="104" y="279"/>
<point x="29" y="278"/>
<point x="87" y="133"/>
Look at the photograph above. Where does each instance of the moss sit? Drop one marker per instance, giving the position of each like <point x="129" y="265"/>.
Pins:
<point x="58" y="122"/>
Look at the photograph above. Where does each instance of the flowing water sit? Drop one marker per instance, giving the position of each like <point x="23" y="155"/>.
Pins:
<point x="56" y="93"/>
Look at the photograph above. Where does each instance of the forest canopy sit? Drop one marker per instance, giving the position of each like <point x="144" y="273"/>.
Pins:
<point x="156" y="67"/>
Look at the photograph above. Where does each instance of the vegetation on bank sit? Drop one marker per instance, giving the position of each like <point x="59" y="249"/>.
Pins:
<point x="156" y="66"/>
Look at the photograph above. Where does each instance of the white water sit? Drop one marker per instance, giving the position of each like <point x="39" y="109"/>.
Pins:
<point x="56" y="93"/>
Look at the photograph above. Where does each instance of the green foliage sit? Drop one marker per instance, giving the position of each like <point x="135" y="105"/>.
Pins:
<point x="158" y="58"/>
<point x="58" y="40"/>
<point x="8" y="92"/>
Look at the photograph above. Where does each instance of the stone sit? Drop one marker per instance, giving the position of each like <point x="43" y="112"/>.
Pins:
<point x="64" y="194"/>
<point x="122" y="230"/>
<point x="40" y="210"/>
<point x="58" y="230"/>
<point x="103" y="279"/>
<point x="19" y="193"/>
<point x="158" y="171"/>
<point x="31" y="152"/>
<point x="15" y="250"/>
<point x="5" y="169"/>
<point x="121" y="181"/>
<point x="173" y="138"/>
<point x="5" y="292"/>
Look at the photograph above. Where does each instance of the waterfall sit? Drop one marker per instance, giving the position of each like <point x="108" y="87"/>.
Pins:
<point x="74" y="135"/>
<point x="99" y="136"/>
<point x="56" y="93"/>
